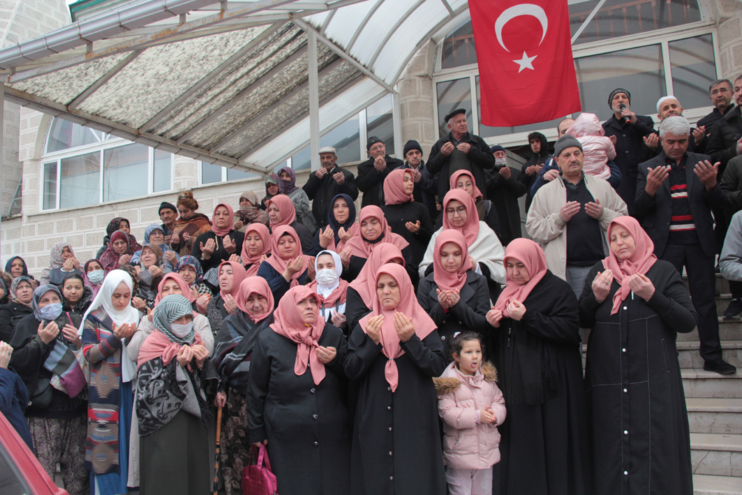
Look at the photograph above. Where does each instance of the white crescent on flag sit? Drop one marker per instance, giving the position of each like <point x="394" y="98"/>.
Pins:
<point x="519" y="10"/>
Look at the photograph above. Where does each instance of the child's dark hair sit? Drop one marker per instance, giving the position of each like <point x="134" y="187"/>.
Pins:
<point x="457" y="343"/>
<point x="72" y="276"/>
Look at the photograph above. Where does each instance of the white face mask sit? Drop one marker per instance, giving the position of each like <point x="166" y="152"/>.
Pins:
<point x="96" y="277"/>
<point x="501" y="162"/>
<point x="181" y="331"/>
<point x="326" y="277"/>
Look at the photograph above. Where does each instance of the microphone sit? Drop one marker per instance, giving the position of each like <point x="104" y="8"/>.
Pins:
<point x="622" y="107"/>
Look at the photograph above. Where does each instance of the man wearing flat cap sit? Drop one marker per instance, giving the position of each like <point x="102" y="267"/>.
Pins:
<point x="630" y="130"/>
<point x="570" y="216"/>
<point x="372" y="172"/>
<point x="326" y="183"/>
<point x="459" y="150"/>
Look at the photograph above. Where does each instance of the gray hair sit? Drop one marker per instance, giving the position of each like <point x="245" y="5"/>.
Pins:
<point x="677" y="126"/>
<point x="720" y="81"/>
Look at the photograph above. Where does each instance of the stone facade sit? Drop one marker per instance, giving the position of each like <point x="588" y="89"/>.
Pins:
<point x="729" y="21"/>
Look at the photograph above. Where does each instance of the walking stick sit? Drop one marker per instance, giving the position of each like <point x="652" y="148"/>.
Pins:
<point x="218" y="450"/>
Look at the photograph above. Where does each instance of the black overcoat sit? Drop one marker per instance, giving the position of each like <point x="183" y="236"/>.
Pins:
<point x="398" y="215"/>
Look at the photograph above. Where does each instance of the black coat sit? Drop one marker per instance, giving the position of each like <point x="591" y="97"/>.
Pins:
<point x="10" y="314"/>
<point x="629" y="149"/>
<point x="468" y="315"/>
<point x="396" y="438"/>
<point x="656" y="212"/>
<point x="357" y="263"/>
<point x="731" y="184"/>
<point x="544" y="444"/>
<point x="425" y="189"/>
<point x="398" y="215"/>
<point x="722" y="144"/>
<point x="306" y="236"/>
<point x="220" y="254"/>
<point x="355" y="308"/>
<point x="708" y="123"/>
<point x="633" y="385"/>
<point x="321" y="191"/>
<point x="480" y="159"/>
<point x="306" y="425"/>
<point x="504" y="194"/>
<point x="371" y="182"/>
<point x="279" y="286"/>
<point x="540" y="159"/>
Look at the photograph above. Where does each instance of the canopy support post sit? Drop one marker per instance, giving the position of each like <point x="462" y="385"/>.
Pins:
<point x="2" y="150"/>
<point x="313" y="99"/>
<point x="397" y="127"/>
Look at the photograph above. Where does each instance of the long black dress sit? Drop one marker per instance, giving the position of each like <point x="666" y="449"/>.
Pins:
<point x="396" y="437"/>
<point x="544" y="445"/>
<point x="307" y="425"/>
<point x="398" y="215"/>
<point x="635" y="400"/>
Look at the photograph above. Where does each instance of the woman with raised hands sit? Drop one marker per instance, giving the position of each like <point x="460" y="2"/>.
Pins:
<point x="454" y="295"/>
<point x="295" y="398"/>
<point x="190" y="269"/>
<point x="486" y="211"/>
<point x="544" y="443"/>
<point x="235" y="344"/>
<point x="220" y="243"/>
<point x="154" y="234"/>
<point x="93" y="275"/>
<point x="374" y="232"/>
<point x="189" y="225"/>
<point x="117" y="254"/>
<point x="62" y="261"/>
<point x="106" y="329"/>
<point x="287" y="186"/>
<point x="256" y="247"/>
<point x="122" y="224"/>
<point x="287" y="266"/>
<point x="485" y="249"/>
<point x="223" y="304"/>
<point x="19" y="306"/>
<point x="405" y="216"/>
<point x="175" y="382"/>
<point x="150" y="270"/>
<point x="46" y="349"/>
<point x="341" y="226"/>
<point x="393" y="354"/>
<point x="636" y="305"/>
<point x="333" y="289"/>
<point x="282" y="213"/>
<point x="249" y="212"/>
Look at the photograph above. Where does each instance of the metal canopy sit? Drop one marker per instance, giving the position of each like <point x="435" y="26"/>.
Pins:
<point x="228" y="82"/>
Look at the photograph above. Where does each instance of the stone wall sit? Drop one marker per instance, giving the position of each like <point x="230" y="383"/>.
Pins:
<point x="729" y="21"/>
<point x="416" y="99"/>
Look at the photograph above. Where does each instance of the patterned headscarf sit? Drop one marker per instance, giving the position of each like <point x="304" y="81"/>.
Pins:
<point x="151" y="228"/>
<point x="14" y="288"/>
<point x="190" y="260"/>
<point x="114" y="224"/>
<point x="170" y="309"/>
<point x="38" y="293"/>
<point x="55" y="259"/>
<point x="287" y="186"/>
<point x="10" y="262"/>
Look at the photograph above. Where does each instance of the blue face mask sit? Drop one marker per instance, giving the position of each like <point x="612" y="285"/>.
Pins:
<point x="51" y="312"/>
<point x="96" y="277"/>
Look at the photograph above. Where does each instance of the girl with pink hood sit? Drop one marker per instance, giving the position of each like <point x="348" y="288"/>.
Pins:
<point x="471" y="406"/>
<point x="598" y="149"/>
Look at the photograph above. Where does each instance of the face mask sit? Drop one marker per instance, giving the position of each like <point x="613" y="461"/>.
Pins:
<point x="326" y="277"/>
<point x="51" y="312"/>
<point x="96" y="277"/>
<point x="500" y="162"/>
<point x="181" y="331"/>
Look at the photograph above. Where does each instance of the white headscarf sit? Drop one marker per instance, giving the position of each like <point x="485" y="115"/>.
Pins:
<point x="326" y="290"/>
<point x="127" y="315"/>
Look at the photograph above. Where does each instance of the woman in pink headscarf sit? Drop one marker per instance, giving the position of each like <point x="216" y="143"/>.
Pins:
<point x="256" y="247"/>
<point x="393" y="354"/>
<point x="282" y="213"/>
<point x="288" y="266"/>
<point x="220" y="243"/>
<point x="454" y="295"/>
<point x="295" y="398"/>
<point x="635" y="305"/>
<point x="535" y="323"/>
<point x="407" y="218"/>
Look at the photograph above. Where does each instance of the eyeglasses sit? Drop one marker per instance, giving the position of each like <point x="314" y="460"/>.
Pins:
<point x="453" y="211"/>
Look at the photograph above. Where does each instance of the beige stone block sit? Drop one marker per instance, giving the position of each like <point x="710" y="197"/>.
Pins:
<point x="149" y="214"/>
<point x="34" y="246"/>
<point x="429" y="132"/>
<point x="725" y="69"/>
<point x="131" y="215"/>
<point x="729" y="31"/>
<point x="94" y="239"/>
<point x="736" y="60"/>
<point x="50" y="241"/>
<point x="426" y="88"/>
<point x="102" y="220"/>
<point x="45" y="228"/>
<point x="28" y="230"/>
<point x="40" y="262"/>
<point x="64" y="226"/>
<point x="17" y="247"/>
<point x="408" y="87"/>
<point x="84" y="255"/>
<point x="403" y="113"/>
<point x="85" y="223"/>
<point x="12" y="233"/>
<point x="729" y="6"/>
<point x="419" y="108"/>
<point x="76" y="241"/>
<point x="411" y="130"/>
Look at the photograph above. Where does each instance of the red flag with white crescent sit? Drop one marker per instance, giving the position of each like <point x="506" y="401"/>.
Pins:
<point x="524" y="53"/>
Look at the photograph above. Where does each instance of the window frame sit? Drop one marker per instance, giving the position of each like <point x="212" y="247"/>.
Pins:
<point x="101" y="147"/>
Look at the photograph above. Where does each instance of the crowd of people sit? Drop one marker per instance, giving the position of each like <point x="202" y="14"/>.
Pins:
<point x="419" y="345"/>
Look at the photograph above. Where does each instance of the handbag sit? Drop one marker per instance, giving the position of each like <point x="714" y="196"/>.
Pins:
<point x="258" y="479"/>
<point x="42" y="395"/>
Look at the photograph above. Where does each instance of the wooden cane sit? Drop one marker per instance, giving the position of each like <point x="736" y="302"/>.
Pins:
<point x="218" y="450"/>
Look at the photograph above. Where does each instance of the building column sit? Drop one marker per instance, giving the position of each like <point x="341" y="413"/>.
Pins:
<point x="416" y="100"/>
<point x="729" y="22"/>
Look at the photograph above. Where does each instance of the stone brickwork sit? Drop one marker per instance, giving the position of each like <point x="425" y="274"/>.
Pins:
<point x="416" y="99"/>
<point x="729" y="20"/>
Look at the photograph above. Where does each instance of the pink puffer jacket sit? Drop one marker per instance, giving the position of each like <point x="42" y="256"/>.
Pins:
<point x="469" y="444"/>
<point x="598" y="149"/>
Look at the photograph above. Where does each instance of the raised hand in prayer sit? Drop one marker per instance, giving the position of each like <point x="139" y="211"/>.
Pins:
<point x="413" y="227"/>
<point x="321" y="172"/>
<point x="171" y="257"/>
<point x="551" y="175"/>
<point x="339" y="320"/>
<point x="48" y="332"/>
<point x="344" y="235"/>
<point x="506" y="172"/>
<point x="707" y="173"/>
<point x="699" y="133"/>
<point x="138" y="303"/>
<point x="220" y="400"/>
<point x="373" y="328"/>
<point x="602" y="285"/>
<point x="326" y="355"/>
<point x="569" y="210"/>
<point x="124" y="259"/>
<point x="655" y="178"/>
<point x="5" y="352"/>
<point x="208" y="249"/>
<point x="326" y="236"/>
<point x="124" y="331"/>
<point x="155" y="270"/>
<point x="404" y="327"/>
<point x="229" y="304"/>
<point x="595" y="210"/>
<point x="453" y="297"/>
<point x="229" y="245"/>
<point x="641" y="286"/>
<point x="443" y="298"/>
<point x="235" y="258"/>
<point x="186" y="237"/>
<point x="447" y="148"/>
<point x="201" y="354"/>
<point x="379" y="163"/>
<point x="202" y="303"/>
<point x="339" y="178"/>
<point x="238" y="225"/>
<point x="184" y="356"/>
<point x="345" y="256"/>
<point x="516" y="310"/>
<point x="311" y="272"/>
<point x="292" y="268"/>
<point x="70" y="333"/>
<point x="493" y="317"/>
<point x="150" y="315"/>
<point x="652" y="141"/>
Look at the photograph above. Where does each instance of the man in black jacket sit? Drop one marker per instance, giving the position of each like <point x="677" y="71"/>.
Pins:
<point x="721" y="93"/>
<point x="725" y="141"/>
<point x="503" y="190"/>
<point x="326" y="183"/>
<point x="533" y="166"/>
<point x="674" y="195"/>
<point x="372" y="172"/>
<point x="426" y="185"/>
<point x="459" y="150"/>
<point x="630" y="130"/>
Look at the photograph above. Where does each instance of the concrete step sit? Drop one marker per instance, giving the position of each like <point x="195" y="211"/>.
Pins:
<point x="705" y="384"/>
<point x="716" y="454"/>
<point x="720" y="416"/>
<point x="728" y="330"/>
<point x="716" y="485"/>
<point x="722" y="302"/>
<point x="689" y="357"/>
<point x="722" y="285"/>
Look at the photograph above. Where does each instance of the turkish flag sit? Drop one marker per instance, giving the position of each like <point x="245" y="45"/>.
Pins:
<point x="524" y="52"/>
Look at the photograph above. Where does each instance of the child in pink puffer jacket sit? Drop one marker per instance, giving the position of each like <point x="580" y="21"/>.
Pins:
<point x="471" y="406"/>
<point x="597" y="148"/>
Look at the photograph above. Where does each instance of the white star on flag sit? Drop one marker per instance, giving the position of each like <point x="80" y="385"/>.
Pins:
<point x="525" y="62"/>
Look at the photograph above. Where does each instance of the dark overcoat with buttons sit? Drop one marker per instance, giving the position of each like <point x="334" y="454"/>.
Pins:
<point x="636" y="406"/>
<point x="306" y="425"/>
<point x="396" y="438"/>
<point x="468" y="315"/>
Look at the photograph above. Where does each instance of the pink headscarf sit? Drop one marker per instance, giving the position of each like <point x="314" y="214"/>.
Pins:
<point x="289" y="323"/>
<point x="265" y="235"/>
<point x="470" y="229"/>
<point x="641" y="261"/>
<point x="181" y="283"/>
<point x="239" y="275"/>
<point x="455" y="177"/>
<point x="408" y="306"/>
<point x="360" y="247"/>
<point x="532" y="256"/>
<point x="285" y="207"/>
<point x="230" y="224"/>
<point x="255" y="285"/>
<point x="365" y="282"/>
<point x="394" y="187"/>
<point x="278" y="263"/>
<point x="446" y="280"/>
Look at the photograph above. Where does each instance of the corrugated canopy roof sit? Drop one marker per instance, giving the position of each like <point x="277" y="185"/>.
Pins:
<point x="226" y="83"/>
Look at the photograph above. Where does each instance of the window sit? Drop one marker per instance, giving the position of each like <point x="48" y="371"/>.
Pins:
<point x="693" y="69"/>
<point x="459" y="48"/>
<point x="84" y="167"/>
<point x="379" y="122"/>
<point x="452" y="95"/>
<point x="211" y="174"/>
